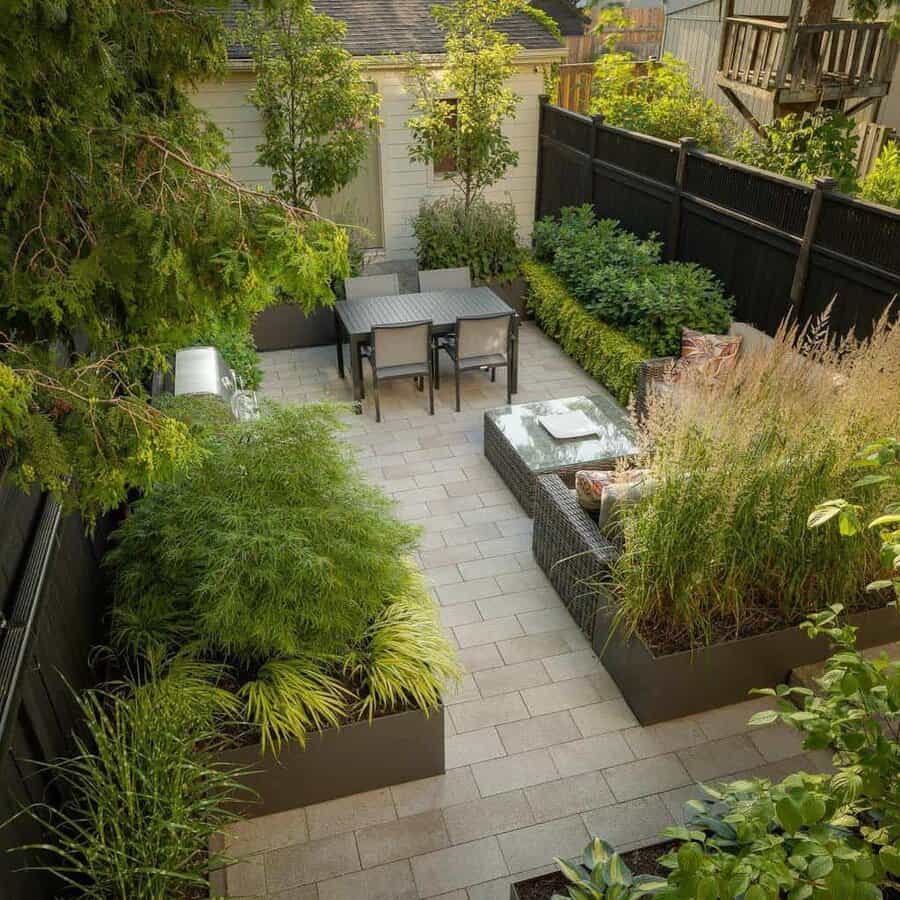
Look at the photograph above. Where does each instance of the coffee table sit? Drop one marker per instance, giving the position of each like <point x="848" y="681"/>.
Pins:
<point x="521" y="449"/>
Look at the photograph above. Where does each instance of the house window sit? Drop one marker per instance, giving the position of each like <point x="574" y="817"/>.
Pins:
<point x="447" y="165"/>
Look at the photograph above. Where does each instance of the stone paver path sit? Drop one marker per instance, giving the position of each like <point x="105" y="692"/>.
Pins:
<point x="542" y="752"/>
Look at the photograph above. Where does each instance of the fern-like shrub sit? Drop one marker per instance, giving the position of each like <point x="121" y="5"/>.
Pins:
<point x="720" y="548"/>
<point x="602" y="351"/>
<point x="276" y="558"/>
<point x="882" y="184"/>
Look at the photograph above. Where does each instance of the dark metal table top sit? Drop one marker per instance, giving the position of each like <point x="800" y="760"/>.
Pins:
<point x="443" y="308"/>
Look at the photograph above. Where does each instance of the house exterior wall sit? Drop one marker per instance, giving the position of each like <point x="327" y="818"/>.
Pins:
<point x="692" y="35"/>
<point x="404" y="184"/>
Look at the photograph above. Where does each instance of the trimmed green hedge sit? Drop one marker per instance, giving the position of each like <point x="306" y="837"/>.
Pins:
<point x="604" y="352"/>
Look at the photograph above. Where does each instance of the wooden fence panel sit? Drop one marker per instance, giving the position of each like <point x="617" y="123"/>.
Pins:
<point x="760" y="233"/>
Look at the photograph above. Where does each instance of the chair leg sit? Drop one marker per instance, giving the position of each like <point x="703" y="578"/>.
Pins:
<point x="508" y="388"/>
<point x="420" y="383"/>
<point x="493" y="373"/>
<point x="436" y="367"/>
<point x="377" y="403"/>
<point x="430" y="394"/>
<point x="456" y="379"/>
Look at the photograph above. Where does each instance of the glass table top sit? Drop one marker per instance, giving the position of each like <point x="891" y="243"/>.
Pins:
<point x="540" y="451"/>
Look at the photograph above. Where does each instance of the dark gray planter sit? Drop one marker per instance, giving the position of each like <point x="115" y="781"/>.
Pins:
<point x="513" y="293"/>
<point x="342" y="761"/>
<point x="658" y="688"/>
<point x="286" y="326"/>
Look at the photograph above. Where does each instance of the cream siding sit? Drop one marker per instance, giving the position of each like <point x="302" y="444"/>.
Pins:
<point x="404" y="184"/>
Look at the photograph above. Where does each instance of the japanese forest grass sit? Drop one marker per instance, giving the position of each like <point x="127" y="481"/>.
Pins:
<point x="720" y="549"/>
<point x="278" y="559"/>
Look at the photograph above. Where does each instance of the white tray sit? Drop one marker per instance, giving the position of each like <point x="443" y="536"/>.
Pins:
<point x="569" y="425"/>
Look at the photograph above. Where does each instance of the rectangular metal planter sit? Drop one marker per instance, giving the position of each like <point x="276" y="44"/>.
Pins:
<point x="342" y="761"/>
<point x="286" y="326"/>
<point x="658" y="688"/>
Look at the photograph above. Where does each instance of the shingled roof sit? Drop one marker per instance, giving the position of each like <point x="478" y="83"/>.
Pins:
<point x="380" y="27"/>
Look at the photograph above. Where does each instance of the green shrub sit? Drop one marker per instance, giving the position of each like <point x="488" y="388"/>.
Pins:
<point x="619" y="278"/>
<point x="484" y="237"/>
<point x="819" y="143"/>
<point x="144" y="795"/>
<point x="607" y="354"/>
<point x="658" y="100"/>
<point x="234" y="340"/>
<point x="882" y="184"/>
<point x="720" y="548"/>
<point x="276" y="559"/>
<point x="276" y="545"/>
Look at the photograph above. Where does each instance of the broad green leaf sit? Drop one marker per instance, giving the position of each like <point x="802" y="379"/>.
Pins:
<point x="755" y="892"/>
<point x="789" y="814"/>
<point x="689" y="858"/>
<point x="824" y="512"/>
<point x="707" y="888"/>
<point x="820" y="867"/>
<point x="764" y="717"/>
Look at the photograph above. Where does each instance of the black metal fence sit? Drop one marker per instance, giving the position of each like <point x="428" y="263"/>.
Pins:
<point x="52" y="602"/>
<point x="778" y="245"/>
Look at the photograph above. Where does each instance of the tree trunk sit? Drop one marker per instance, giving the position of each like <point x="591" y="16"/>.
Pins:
<point x="819" y="12"/>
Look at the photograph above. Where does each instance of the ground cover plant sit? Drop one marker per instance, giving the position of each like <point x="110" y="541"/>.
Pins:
<point x="275" y="558"/>
<point x="720" y="548"/>
<point x="620" y="278"/>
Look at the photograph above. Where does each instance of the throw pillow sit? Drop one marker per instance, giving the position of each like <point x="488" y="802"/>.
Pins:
<point x="589" y="488"/>
<point x="707" y="355"/>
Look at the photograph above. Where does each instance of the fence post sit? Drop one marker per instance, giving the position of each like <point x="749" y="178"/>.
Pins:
<point x="685" y="145"/>
<point x="596" y="125"/>
<point x="801" y="268"/>
<point x="543" y="100"/>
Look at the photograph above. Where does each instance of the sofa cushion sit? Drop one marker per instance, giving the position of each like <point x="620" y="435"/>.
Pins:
<point x="589" y="486"/>
<point x="706" y="355"/>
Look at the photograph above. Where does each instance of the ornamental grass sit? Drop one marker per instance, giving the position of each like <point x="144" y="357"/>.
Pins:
<point x="721" y="549"/>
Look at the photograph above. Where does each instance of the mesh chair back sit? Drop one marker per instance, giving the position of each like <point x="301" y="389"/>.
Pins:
<point x="482" y="335"/>
<point x="372" y="286"/>
<point x="402" y="345"/>
<point x="445" y="279"/>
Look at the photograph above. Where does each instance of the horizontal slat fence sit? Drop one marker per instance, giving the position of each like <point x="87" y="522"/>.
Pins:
<point x="52" y="601"/>
<point x="779" y="246"/>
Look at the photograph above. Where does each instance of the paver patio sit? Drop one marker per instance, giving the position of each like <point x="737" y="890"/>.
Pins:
<point x="542" y="751"/>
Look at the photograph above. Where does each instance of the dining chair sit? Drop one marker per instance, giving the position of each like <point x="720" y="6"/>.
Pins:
<point x="372" y="286"/>
<point x="480" y="342"/>
<point x="402" y="351"/>
<point x="445" y="279"/>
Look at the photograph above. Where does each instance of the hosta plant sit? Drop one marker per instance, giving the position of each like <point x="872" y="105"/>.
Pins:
<point x="856" y="713"/>
<point x="757" y="841"/>
<point x="601" y="874"/>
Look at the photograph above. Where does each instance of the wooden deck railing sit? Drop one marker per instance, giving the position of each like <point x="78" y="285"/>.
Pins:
<point x="840" y="59"/>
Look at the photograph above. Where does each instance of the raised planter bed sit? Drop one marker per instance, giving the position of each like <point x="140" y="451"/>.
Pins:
<point x="513" y="293"/>
<point x="342" y="761"/>
<point x="286" y="326"/>
<point x="658" y="688"/>
<point x="641" y="861"/>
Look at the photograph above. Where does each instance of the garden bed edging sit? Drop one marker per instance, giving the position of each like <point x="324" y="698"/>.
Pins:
<point x="659" y="688"/>
<point x="338" y="762"/>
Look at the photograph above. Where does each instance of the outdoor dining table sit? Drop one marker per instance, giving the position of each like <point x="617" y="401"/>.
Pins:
<point x="354" y="320"/>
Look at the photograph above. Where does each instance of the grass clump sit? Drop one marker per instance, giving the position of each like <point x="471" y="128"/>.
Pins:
<point x="276" y="559"/>
<point x="721" y="548"/>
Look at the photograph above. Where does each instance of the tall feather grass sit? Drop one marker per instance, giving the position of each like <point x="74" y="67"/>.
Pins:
<point x="721" y="547"/>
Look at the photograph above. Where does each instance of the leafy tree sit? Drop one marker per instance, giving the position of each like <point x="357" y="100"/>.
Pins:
<point x="121" y="235"/>
<point x="318" y="110"/>
<point x="460" y="110"/>
<point x="882" y="184"/>
<point x="803" y="147"/>
<point x="657" y="98"/>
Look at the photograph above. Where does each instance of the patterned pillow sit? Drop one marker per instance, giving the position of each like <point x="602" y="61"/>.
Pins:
<point x="589" y="488"/>
<point x="707" y="355"/>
